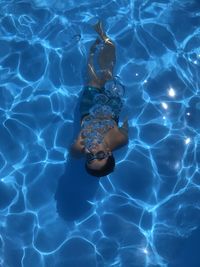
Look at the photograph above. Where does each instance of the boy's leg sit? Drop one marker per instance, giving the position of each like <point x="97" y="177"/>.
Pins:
<point x="94" y="80"/>
<point x="107" y="55"/>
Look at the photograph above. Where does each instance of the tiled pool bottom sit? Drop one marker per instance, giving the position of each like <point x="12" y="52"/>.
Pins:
<point x="146" y="213"/>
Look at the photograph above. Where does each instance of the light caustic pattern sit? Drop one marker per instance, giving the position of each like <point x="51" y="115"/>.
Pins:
<point x="146" y="213"/>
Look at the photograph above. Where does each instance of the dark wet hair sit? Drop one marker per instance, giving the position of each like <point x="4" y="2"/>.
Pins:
<point x="105" y="170"/>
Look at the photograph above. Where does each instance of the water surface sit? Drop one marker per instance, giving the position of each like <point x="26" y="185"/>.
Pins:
<point x="146" y="213"/>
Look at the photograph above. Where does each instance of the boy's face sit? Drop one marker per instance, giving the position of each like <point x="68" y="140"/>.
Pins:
<point x="97" y="164"/>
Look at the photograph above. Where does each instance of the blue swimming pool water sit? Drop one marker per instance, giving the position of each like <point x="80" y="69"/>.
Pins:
<point x="146" y="213"/>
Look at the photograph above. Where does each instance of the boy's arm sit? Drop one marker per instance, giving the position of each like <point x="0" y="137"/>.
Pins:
<point x="124" y="130"/>
<point x="77" y="148"/>
<point x="121" y="136"/>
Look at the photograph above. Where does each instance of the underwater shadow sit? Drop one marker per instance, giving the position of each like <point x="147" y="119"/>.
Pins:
<point x="75" y="187"/>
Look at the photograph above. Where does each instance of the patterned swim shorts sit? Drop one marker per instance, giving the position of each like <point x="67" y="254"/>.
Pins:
<point x="92" y="96"/>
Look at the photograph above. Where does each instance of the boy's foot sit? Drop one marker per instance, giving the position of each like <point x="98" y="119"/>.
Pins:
<point x="98" y="27"/>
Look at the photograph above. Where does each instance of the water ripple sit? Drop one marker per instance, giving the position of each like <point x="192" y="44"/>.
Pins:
<point x="147" y="212"/>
